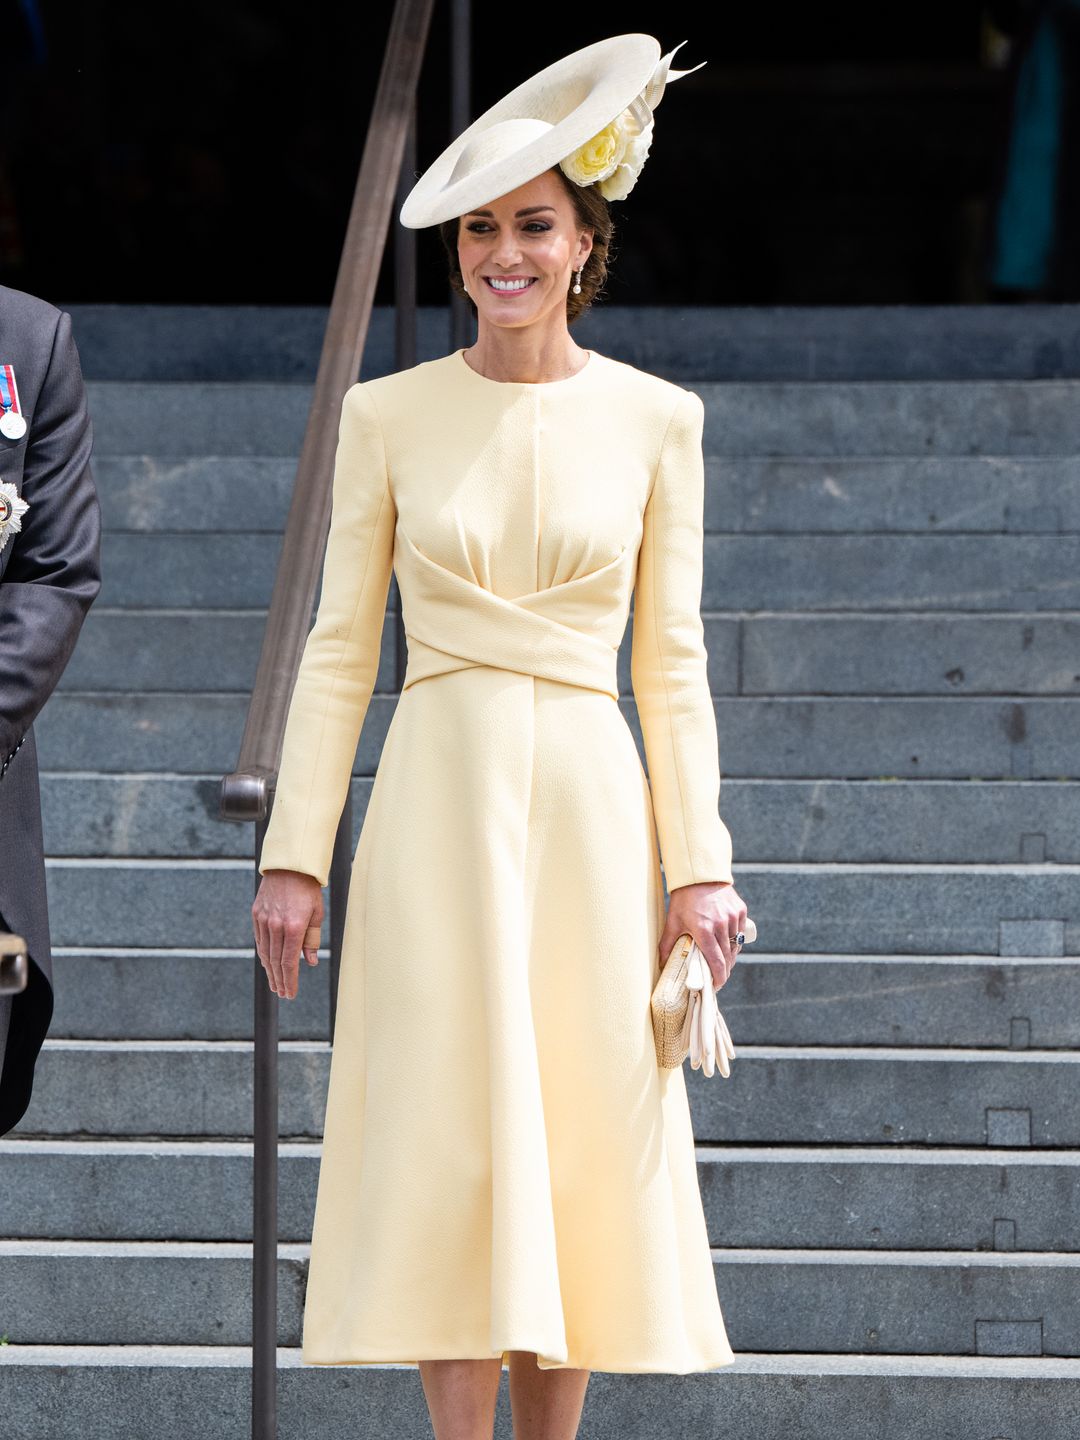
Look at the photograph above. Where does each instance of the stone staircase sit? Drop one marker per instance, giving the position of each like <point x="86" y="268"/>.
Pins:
<point x="891" y="1174"/>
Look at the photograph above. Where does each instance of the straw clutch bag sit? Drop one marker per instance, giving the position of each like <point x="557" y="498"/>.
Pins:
<point x="686" y="1019"/>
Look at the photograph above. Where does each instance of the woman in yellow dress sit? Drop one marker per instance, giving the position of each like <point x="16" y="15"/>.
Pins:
<point x="507" y="1175"/>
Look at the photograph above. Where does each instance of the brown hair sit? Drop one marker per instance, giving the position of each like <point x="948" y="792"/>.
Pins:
<point x="592" y="212"/>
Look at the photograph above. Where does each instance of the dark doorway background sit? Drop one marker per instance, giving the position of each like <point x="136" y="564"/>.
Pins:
<point x="832" y="154"/>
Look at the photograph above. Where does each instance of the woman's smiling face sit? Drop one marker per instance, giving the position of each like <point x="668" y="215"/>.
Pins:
<point x="518" y="253"/>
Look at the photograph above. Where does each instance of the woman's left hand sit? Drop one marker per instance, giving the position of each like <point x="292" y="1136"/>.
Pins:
<point x="713" y="914"/>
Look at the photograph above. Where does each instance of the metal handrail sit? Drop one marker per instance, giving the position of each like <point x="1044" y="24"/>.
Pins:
<point x="386" y="168"/>
<point x="245" y="792"/>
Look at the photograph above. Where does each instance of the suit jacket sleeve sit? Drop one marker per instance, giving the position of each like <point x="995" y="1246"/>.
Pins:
<point x="341" y="655"/>
<point x="54" y="571"/>
<point x="669" y="661"/>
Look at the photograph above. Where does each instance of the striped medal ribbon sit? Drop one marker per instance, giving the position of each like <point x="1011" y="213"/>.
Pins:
<point x="13" y="421"/>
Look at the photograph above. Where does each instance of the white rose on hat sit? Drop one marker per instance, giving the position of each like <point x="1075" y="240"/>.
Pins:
<point x="623" y="146"/>
<point x="618" y="185"/>
<point x="601" y="156"/>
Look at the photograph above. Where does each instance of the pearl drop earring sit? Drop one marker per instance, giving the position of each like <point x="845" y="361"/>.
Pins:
<point x="577" y="282"/>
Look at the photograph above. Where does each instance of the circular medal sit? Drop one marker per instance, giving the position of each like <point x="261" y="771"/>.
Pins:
<point x="6" y="509"/>
<point x="13" y="425"/>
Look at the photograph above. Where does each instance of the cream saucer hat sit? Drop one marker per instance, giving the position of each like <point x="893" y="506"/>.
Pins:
<point x="591" y="113"/>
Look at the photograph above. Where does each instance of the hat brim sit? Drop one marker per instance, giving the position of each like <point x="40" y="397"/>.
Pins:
<point x="577" y="95"/>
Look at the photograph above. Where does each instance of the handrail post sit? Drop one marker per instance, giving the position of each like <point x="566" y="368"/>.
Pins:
<point x="264" y="1180"/>
<point x="461" y="320"/>
<point x="405" y="261"/>
<point x="340" y="875"/>
<point x="405" y="336"/>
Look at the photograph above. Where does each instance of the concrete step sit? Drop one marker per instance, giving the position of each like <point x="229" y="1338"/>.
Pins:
<point x="180" y="995"/>
<point x="900" y="1198"/>
<point x="172" y="650"/>
<point x="180" y="651"/>
<point x="203" y="571"/>
<point x="224" y="342"/>
<point x="177" y="420"/>
<point x="786" y="737"/>
<point x="805" y="418"/>
<point x="113" y="1388"/>
<point x="200" y="494"/>
<point x="960" y="574"/>
<point x="812" y="1197"/>
<point x="775" y="1095"/>
<point x="917" y="821"/>
<point x="140" y="1292"/>
<point x="949" y="494"/>
<point x="850" y="909"/>
<point x="908" y="910"/>
<point x="819" y="342"/>
<point x="944" y="654"/>
<point x="847" y="573"/>
<point x="894" y="737"/>
<point x="903" y="654"/>
<point x="147" y="813"/>
<point x="153" y="1088"/>
<point x="931" y="1302"/>
<point x="859" y="1095"/>
<point x="992" y="495"/>
<point x="860" y="1000"/>
<point x="891" y="418"/>
<point x="934" y="1302"/>
<point x="904" y="1000"/>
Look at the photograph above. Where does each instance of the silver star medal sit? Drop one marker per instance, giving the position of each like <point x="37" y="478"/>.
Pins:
<point x="12" y="508"/>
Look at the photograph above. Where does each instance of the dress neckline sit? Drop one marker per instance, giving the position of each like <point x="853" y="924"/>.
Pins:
<point x="527" y="384"/>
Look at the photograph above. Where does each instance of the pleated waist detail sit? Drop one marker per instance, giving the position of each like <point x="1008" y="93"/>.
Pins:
<point x="554" y="634"/>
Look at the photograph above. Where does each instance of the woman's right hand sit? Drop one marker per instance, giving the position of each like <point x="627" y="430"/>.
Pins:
<point x="287" y="916"/>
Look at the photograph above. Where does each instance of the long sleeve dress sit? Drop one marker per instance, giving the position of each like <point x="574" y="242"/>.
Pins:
<point x="504" y="1165"/>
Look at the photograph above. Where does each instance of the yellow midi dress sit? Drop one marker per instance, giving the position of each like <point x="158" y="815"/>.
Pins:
<point x="504" y="1165"/>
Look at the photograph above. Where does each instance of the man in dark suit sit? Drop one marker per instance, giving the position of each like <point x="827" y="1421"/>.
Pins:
<point x="50" y="535"/>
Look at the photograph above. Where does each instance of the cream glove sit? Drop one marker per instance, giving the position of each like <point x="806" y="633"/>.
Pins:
<point x="710" y="1039"/>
